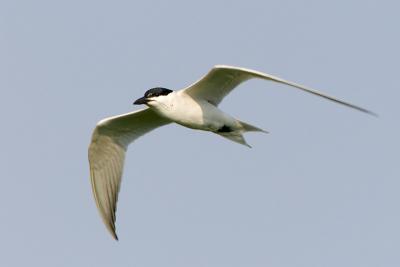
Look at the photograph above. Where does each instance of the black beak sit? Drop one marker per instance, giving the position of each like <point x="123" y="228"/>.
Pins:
<point x="141" y="101"/>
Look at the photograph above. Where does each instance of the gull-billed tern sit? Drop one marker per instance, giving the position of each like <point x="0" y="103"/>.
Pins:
<point x="194" y="107"/>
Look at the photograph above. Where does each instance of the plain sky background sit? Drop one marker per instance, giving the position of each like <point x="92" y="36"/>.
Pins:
<point x="322" y="189"/>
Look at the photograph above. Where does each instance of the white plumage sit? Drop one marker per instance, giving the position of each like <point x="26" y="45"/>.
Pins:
<point x="194" y="107"/>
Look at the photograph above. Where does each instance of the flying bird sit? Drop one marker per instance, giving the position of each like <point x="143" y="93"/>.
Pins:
<point x="195" y="107"/>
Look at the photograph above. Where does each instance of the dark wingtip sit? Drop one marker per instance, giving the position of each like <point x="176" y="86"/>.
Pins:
<point x="112" y="230"/>
<point x="373" y="114"/>
<point x="369" y="112"/>
<point x="114" y="235"/>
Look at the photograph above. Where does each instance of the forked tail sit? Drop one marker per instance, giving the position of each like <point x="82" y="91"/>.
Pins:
<point x="250" y="128"/>
<point x="237" y="136"/>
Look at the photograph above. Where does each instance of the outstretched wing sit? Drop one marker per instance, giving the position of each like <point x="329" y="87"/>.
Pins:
<point x="110" y="140"/>
<point x="221" y="80"/>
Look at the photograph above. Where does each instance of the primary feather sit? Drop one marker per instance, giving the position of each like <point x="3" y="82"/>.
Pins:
<point x="110" y="140"/>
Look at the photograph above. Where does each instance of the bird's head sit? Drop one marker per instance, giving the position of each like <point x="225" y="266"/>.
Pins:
<point x="153" y="96"/>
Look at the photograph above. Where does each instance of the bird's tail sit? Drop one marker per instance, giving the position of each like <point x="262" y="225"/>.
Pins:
<point x="237" y="136"/>
<point x="250" y="128"/>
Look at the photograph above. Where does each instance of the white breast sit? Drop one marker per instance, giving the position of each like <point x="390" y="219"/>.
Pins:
<point x="183" y="109"/>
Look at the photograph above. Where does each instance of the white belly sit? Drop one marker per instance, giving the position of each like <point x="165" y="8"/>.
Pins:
<point x="197" y="114"/>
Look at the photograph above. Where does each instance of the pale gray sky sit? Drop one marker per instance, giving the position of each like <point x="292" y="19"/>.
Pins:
<point x="322" y="189"/>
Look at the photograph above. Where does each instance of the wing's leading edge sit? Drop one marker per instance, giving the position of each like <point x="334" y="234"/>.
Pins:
<point x="221" y="80"/>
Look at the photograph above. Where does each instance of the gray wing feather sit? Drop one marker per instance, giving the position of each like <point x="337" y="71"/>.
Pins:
<point x="221" y="80"/>
<point x="110" y="140"/>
